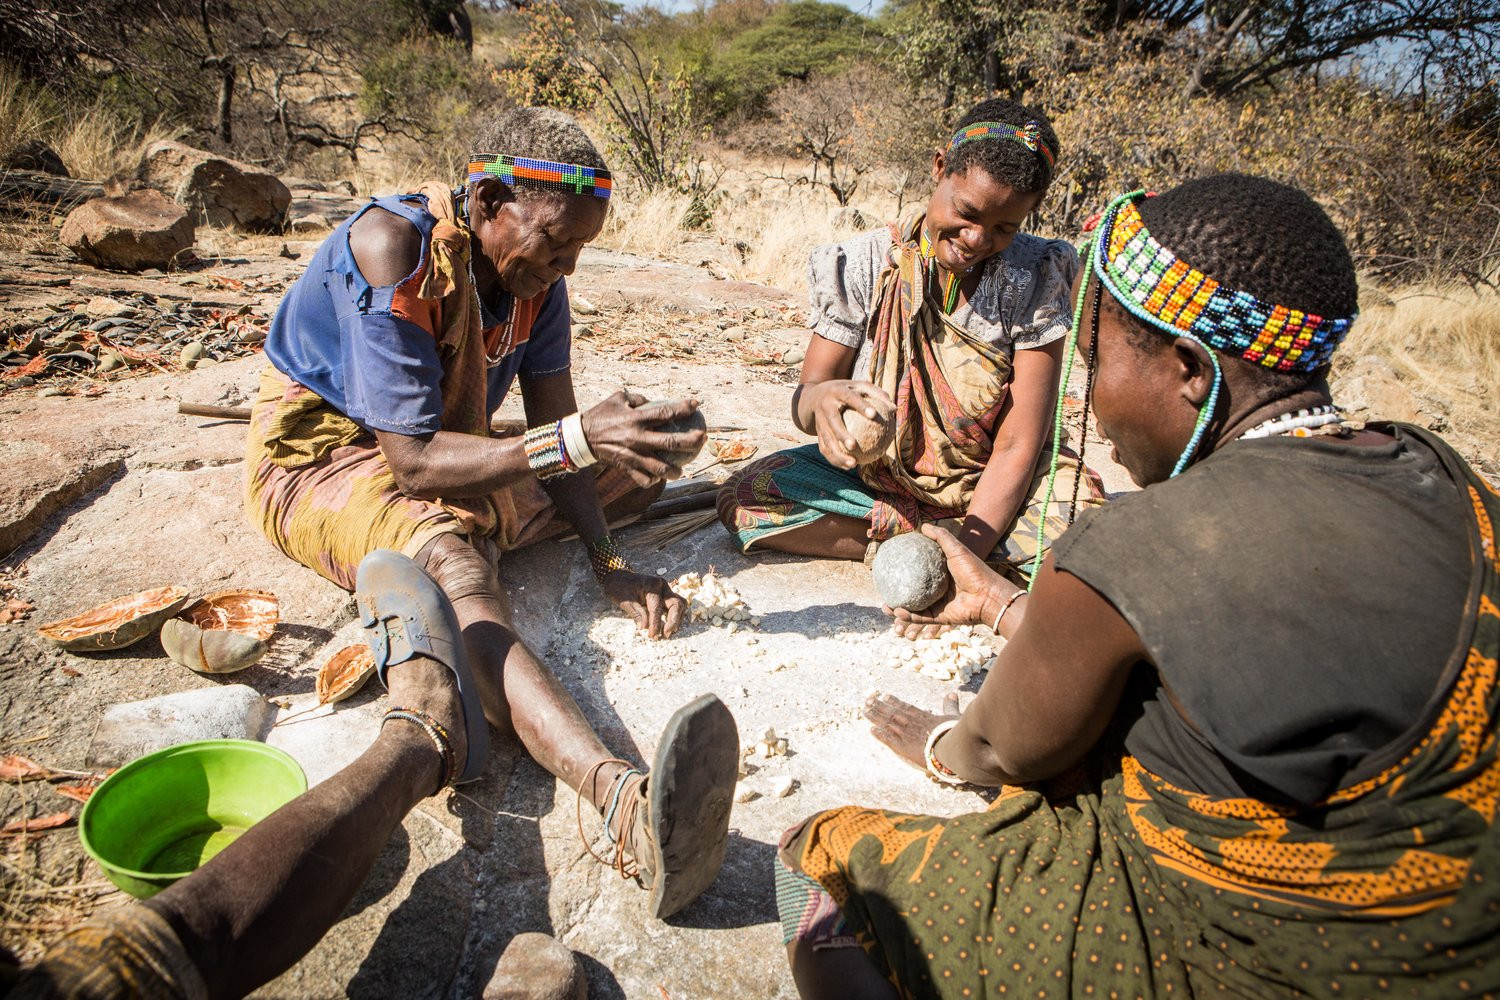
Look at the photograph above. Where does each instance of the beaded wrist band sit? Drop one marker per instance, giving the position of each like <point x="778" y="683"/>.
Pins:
<point x="1013" y="598"/>
<point x="605" y="557"/>
<point x="935" y="767"/>
<point x="545" y="451"/>
<point x="436" y="732"/>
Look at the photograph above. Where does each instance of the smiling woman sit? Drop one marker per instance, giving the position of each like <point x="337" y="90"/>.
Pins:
<point x="948" y="328"/>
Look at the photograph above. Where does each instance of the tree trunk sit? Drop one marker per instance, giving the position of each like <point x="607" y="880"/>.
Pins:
<point x="223" y="126"/>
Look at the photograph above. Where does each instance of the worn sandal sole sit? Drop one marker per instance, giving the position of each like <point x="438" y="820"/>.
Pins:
<point x="429" y="627"/>
<point x="690" y="793"/>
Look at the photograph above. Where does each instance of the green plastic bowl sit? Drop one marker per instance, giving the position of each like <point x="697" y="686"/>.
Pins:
<point x="158" y="818"/>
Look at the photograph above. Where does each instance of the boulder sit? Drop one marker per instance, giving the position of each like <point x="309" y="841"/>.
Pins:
<point x="218" y="190"/>
<point x="36" y="155"/>
<point x="537" y="967"/>
<point x="910" y="571"/>
<point x="314" y="223"/>
<point x="850" y="217"/>
<point x="1371" y="390"/>
<point x="131" y="232"/>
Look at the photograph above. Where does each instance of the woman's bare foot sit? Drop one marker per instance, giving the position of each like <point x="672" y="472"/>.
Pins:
<point x="905" y="728"/>
<point x="425" y="685"/>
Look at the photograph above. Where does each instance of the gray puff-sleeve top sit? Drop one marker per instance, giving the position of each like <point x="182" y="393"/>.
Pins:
<point x="1022" y="300"/>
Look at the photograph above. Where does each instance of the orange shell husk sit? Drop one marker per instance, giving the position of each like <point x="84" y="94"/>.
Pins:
<point x="223" y="632"/>
<point x="345" y="673"/>
<point x="249" y="612"/>
<point x="117" y="623"/>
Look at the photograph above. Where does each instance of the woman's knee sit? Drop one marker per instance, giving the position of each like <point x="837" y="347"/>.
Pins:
<point x="459" y="567"/>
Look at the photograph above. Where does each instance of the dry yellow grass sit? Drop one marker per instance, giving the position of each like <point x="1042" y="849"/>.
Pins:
<point x="1443" y="342"/>
<point x="92" y="140"/>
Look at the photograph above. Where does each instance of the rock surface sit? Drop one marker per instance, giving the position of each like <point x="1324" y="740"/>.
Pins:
<point x="233" y="712"/>
<point x="131" y="232"/>
<point x="217" y="190"/>
<point x="466" y="871"/>
<point x="910" y="571"/>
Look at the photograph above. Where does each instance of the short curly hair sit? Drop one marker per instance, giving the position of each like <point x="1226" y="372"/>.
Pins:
<point x="539" y="134"/>
<point x="1009" y="163"/>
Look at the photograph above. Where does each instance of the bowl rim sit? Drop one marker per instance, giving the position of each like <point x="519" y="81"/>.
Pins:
<point x="146" y="760"/>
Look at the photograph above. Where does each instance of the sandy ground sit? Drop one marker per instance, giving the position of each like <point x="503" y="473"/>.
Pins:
<point x="111" y="494"/>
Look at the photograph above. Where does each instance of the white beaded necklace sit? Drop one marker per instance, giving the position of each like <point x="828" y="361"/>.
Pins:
<point x="1313" y="416"/>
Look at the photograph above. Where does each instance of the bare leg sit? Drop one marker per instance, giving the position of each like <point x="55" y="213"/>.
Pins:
<point x="832" y="536"/>
<point x="836" y="973"/>
<point x="261" y="904"/>
<point x="521" y="696"/>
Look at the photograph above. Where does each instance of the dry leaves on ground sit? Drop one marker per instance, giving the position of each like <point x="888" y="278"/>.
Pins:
<point x="733" y="450"/>
<point x="37" y="824"/>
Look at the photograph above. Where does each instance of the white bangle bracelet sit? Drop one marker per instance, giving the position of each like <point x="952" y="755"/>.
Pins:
<point x="995" y="628"/>
<point x="929" y="754"/>
<point x="578" y="445"/>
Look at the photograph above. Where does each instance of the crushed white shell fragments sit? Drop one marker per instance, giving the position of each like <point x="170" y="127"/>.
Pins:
<point x="958" y="654"/>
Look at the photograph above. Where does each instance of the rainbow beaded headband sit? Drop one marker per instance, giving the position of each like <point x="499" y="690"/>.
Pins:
<point x="518" y="171"/>
<point x="1160" y="288"/>
<point x="1028" y="135"/>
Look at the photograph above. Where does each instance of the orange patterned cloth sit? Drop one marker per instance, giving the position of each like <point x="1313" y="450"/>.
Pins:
<point x="1111" y="881"/>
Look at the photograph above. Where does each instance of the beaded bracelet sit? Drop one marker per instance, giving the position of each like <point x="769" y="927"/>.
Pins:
<point x="935" y="767"/>
<point x="1013" y="598"/>
<point x="436" y="732"/>
<point x="605" y="557"/>
<point x="545" y="451"/>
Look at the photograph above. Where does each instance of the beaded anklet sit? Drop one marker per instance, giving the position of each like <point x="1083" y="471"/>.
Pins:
<point x="545" y="451"/>
<point x="436" y="732"/>
<point x="605" y="557"/>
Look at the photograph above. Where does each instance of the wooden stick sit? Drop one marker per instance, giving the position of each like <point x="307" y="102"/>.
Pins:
<point x="503" y="426"/>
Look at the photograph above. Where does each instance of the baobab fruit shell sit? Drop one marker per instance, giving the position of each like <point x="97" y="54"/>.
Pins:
<point x="910" y="571"/>
<point x="345" y="673"/>
<point x="117" y="623"/>
<point x="871" y="437"/>
<point x="223" y="632"/>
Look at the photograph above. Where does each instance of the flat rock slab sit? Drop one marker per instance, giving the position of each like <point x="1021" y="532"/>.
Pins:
<point x="469" y="870"/>
<point x="232" y="712"/>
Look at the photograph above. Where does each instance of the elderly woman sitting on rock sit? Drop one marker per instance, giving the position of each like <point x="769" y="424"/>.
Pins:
<point x="372" y="431"/>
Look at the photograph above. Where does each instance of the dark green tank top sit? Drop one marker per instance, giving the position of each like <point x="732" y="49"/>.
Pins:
<point x="1302" y="599"/>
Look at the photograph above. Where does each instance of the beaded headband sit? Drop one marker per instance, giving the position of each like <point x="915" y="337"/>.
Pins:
<point x="1028" y="135"/>
<point x="1177" y="298"/>
<point x="518" y="171"/>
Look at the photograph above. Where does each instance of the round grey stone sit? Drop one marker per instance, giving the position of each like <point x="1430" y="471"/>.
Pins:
<point x="693" y="422"/>
<point x="537" y="967"/>
<point x="910" y="571"/>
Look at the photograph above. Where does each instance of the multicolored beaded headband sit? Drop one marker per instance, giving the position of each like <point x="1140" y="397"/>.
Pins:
<point x="1178" y="298"/>
<point x="1154" y="285"/>
<point x="518" y="171"/>
<point x="1028" y="135"/>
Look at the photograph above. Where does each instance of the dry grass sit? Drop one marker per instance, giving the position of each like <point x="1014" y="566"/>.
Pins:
<point x="92" y="140"/>
<point x="763" y="227"/>
<point x="1443" y="342"/>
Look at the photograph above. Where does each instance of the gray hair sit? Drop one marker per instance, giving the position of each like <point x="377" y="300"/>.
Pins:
<point x="540" y="134"/>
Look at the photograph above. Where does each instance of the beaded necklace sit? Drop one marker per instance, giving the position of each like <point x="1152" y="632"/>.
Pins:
<point x="950" y="282"/>
<point x="509" y="333"/>
<point x="1306" y="420"/>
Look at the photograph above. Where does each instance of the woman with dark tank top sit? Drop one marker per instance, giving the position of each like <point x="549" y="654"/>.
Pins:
<point x="1244" y="722"/>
